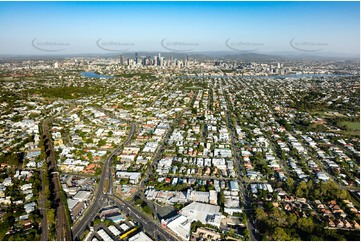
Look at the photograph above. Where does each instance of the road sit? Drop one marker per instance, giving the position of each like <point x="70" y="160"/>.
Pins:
<point x="245" y="198"/>
<point x="159" y="152"/>
<point x="99" y="197"/>
<point x="148" y="225"/>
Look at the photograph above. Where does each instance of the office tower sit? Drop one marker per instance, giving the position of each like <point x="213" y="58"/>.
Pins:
<point x="158" y="60"/>
<point x="136" y="58"/>
<point x="146" y="61"/>
<point x="121" y="60"/>
<point x="130" y="62"/>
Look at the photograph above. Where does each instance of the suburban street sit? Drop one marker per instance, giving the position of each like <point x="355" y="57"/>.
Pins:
<point x="247" y="207"/>
<point x="159" y="151"/>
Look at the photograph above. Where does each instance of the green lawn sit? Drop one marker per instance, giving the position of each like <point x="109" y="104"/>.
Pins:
<point x="326" y="114"/>
<point x="352" y="125"/>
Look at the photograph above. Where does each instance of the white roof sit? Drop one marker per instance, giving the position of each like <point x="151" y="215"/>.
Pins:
<point x="199" y="196"/>
<point x="104" y="235"/>
<point x="141" y="236"/>
<point x="114" y="230"/>
<point x="181" y="225"/>
<point x="82" y="195"/>
<point x="205" y="213"/>
<point x="322" y="176"/>
<point x="124" y="226"/>
<point x="131" y="175"/>
<point x="72" y="203"/>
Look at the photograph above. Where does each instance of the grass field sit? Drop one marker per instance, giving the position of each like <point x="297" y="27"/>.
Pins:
<point x="326" y="114"/>
<point x="352" y="125"/>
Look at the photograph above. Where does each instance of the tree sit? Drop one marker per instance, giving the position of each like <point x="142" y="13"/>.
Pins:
<point x="101" y="142"/>
<point x="90" y="156"/>
<point x="343" y="194"/>
<point x="50" y="215"/>
<point x="147" y="209"/>
<point x="280" y="234"/>
<point x="331" y="190"/>
<point x="221" y="198"/>
<point x="89" y="141"/>
<point x="13" y="159"/>
<point x="260" y="214"/>
<point x="301" y="189"/>
<point x="292" y="219"/>
<point x="138" y="201"/>
<point x="246" y="235"/>
<point x="309" y="184"/>
<point x="4" y="227"/>
<point x="279" y="217"/>
<point x="306" y="224"/>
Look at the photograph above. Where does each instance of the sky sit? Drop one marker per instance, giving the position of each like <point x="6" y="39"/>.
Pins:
<point x="38" y="28"/>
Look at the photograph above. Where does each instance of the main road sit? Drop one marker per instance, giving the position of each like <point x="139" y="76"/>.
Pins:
<point x="153" y="228"/>
<point x="99" y="197"/>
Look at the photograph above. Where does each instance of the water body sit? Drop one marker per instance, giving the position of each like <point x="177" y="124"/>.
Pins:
<point x="276" y="76"/>
<point x="91" y="74"/>
<point x="305" y="75"/>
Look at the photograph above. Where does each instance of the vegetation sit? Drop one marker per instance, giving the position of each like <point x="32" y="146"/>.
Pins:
<point x="277" y="224"/>
<point x="143" y="76"/>
<point x="69" y="92"/>
<point x="351" y="125"/>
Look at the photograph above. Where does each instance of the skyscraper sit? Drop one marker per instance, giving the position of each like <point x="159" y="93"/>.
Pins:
<point x="136" y="58"/>
<point x="158" y="60"/>
<point x="121" y="60"/>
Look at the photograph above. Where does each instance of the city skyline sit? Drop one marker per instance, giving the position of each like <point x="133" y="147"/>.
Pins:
<point x="65" y="28"/>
